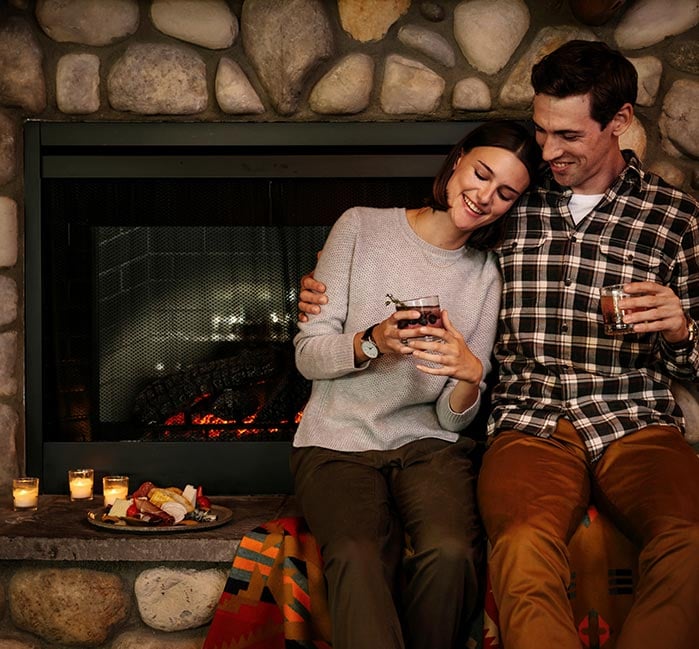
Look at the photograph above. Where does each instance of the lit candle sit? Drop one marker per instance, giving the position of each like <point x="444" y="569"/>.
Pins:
<point x="25" y="493"/>
<point x="80" y="482"/>
<point x="113" y="487"/>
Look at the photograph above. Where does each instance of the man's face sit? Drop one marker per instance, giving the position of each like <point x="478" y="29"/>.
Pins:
<point x="581" y="155"/>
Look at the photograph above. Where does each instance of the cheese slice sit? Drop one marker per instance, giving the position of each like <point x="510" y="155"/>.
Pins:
<point x="190" y="493"/>
<point x="119" y="508"/>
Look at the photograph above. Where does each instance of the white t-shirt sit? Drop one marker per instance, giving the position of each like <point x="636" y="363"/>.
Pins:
<point x="580" y="205"/>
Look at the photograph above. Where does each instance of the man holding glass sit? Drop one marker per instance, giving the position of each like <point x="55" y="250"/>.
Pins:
<point x="578" y="413"/>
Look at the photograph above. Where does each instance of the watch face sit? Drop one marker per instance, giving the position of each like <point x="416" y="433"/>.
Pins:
<point x="370" y="349"/>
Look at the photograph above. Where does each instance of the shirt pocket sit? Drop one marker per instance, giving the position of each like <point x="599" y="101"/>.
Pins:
<point x="633" y="262"/>
<point x="522" y="264"/>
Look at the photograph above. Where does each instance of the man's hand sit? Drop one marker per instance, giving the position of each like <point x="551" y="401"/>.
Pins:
<point x="655" y="308"/>
<point x="311" y="296"/>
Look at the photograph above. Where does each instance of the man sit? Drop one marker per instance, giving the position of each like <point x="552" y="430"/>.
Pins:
<point x="578" y="413"/>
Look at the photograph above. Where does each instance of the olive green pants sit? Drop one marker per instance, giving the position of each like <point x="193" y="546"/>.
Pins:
<point x="361" y="507"/>
<point x="532" y="493"/>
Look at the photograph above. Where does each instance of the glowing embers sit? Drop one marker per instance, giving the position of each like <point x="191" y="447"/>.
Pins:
<point x="255" y="393"/>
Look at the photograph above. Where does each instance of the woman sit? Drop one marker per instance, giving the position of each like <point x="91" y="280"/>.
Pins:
<point x="378" y="457"/>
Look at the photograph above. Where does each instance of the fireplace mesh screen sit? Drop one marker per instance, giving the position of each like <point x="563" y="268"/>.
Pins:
<point x="162" y="293"/>
<point x="174" y="301"/>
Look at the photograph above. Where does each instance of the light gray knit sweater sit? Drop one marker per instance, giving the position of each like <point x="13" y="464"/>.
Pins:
<point x="387" y="402"/>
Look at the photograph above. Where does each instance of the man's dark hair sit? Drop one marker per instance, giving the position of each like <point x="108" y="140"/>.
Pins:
<point x="503" y="134"/>
<point x="582" y="67"/>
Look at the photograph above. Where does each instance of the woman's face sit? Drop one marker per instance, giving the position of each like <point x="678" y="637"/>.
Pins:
<point x="486" y="182"/>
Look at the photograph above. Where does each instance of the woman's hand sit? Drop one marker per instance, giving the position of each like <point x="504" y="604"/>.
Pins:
<point x="390" y="338"/>
<point x="450" y="352"/>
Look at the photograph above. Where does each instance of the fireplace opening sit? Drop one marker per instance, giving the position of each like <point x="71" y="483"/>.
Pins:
<point x="163" y="264"/>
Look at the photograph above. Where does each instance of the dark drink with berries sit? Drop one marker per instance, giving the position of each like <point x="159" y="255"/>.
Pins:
<point x="430" y="313"/>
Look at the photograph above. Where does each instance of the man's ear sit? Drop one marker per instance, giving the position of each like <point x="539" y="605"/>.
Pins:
<point x="622" y="120"/>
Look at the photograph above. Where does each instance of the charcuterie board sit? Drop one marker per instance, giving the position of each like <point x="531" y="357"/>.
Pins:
<point x="98" y="518"/>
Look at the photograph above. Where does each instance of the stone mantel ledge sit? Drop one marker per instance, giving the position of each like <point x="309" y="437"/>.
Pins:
<point x="59" y="531"/>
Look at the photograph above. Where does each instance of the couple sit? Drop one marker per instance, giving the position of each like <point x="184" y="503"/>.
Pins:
<point x="575" y="413"/>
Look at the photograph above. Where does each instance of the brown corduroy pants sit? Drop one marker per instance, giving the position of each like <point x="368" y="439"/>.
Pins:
<point x="360" y="507"/>
<point x="532" y="493"/>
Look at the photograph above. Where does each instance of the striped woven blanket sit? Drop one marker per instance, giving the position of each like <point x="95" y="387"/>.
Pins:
<point x="275" y="595"/>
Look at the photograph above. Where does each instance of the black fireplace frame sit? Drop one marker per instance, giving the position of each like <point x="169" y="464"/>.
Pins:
<point x="156" y="149"/>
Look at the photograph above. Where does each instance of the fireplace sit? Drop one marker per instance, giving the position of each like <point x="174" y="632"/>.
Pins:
<point x="162" y="269"/>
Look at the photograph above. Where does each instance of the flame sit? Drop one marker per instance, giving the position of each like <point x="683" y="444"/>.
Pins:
<point x="208" y="419"/>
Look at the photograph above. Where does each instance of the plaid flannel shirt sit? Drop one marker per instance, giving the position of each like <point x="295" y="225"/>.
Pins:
<point x="555" y="359"/>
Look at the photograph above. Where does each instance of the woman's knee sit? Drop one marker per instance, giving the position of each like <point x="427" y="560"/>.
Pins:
<point x="352" y="553"/>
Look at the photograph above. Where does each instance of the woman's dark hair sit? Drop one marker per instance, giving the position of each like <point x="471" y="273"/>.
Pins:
<point x="582" y="67"/>
<point x="503" y="134"/>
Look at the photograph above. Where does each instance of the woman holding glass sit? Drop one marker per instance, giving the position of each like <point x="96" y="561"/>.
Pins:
<point x="382" y="457"/>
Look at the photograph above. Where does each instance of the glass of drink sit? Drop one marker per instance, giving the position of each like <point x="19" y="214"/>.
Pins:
<point x="612" y="315"/>
<point x="430" y="313"/>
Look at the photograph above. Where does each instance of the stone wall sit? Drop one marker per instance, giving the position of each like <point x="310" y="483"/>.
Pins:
<point x="304" y="60"/>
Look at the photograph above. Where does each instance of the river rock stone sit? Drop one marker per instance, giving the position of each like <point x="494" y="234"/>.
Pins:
<point x="9" y="423"/>
<point x="285" y="41"/>
<point x="649" y="69"/>
<point x="432" y="11"/>
<point x="489" y="31"/>
<point x="346" y="88"/>
<point x="8" y="148"/>
<point x="595" y="12"/>
<point x="669" y="172"/>
<point x="158" y="78"/>
<point x="175" y="600"/>
<point x="234" y="92"/>
<point x="517" y="91"/>
<point x="471" y="94"/>
<point x="8" y="232"/>
<point x="647" y="22"/>
<point x="78" y="83"/>
<point x="89" y="22"/>
<point x="22" y="80"/>
<point x="410" y="87"/>
<point x="8" y="300"/>
<point x="679" y="121"/>
<point x="635" y="139"/>
<point x="8" y="375"/>
<point x="71" y="606"/>
<point x="369" y="21"/>
<point x="684" y="56"/>
<point x="150" y="639"/>
<point x="428" y="43"/>
<point x="209" y="23"/>
<point x="14" y="643"/>
<point x="686" y="395"/>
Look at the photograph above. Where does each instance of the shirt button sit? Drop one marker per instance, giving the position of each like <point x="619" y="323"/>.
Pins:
<point x="564" y="327"/>
<point x="568" y="281"/>
<point x="573" y="238"/>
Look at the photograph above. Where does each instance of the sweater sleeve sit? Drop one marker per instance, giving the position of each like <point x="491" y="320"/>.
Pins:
<point x="481" y="342"/>
<point x="323" y="349"/>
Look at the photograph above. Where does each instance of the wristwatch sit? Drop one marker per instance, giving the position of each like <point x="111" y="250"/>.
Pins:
<point x="693" y="331"/>
<point x="369" y="346"/>
<point x="691" y="341"/>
